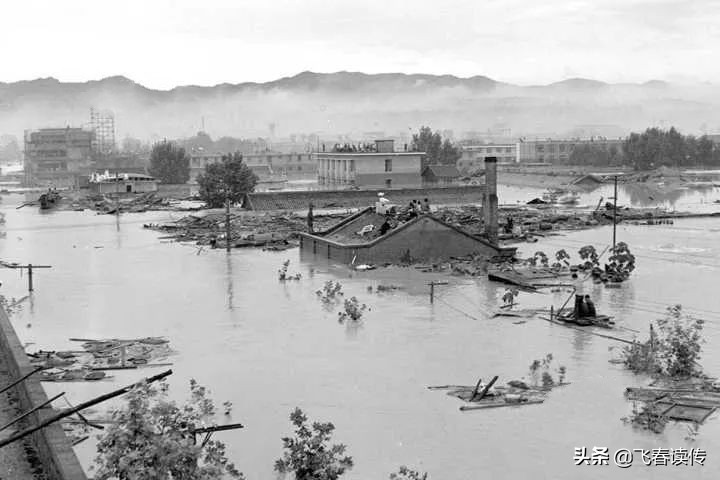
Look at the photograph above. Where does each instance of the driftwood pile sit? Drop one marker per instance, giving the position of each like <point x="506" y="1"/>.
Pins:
<point x="273" y="231"/>
<point x="97" y="356"/>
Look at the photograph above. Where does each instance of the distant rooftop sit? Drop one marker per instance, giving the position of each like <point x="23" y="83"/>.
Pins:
<point x="378" y="146"/>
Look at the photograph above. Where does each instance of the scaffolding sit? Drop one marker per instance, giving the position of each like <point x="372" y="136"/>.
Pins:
<point x="103" y="124"/>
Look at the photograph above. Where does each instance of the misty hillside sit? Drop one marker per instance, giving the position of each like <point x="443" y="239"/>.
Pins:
<point x="347" y="102"/>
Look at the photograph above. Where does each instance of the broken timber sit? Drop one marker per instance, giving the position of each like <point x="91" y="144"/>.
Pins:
<point x="680" y="404"/>
<point x="70" y="411"/>
<point x="529" y="279"/>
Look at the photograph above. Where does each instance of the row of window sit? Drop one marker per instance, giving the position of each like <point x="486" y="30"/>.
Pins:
<point x="482" y="150"/>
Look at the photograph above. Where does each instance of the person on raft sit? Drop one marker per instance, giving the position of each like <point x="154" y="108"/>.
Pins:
<point x="590" y="307"/>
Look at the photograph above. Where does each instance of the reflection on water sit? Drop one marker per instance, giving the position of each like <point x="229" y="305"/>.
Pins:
<point x="268" y="346"/>
<point x="230" y="295"/>
<point x="696" y="199"/>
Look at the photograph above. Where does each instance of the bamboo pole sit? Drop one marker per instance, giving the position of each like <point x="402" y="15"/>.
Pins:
<point x="32" y="410"/>
<point x="20" y="379"/>
<point x="485" y="390"/>
<point x="70" y="411"/>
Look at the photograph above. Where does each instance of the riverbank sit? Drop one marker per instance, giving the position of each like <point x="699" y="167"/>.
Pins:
<point x="48" y="453"/>
<point x="559" y="176"/>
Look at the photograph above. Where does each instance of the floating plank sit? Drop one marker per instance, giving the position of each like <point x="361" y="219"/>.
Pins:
<point x="499" y="405"/>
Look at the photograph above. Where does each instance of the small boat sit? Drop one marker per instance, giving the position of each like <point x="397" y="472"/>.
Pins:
<point x="602" y="321"/>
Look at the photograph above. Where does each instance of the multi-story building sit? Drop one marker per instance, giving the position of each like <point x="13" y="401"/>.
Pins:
<point x="375" y="165"/>
<point x="58" y="156"/>
<point x="285" y="164"/>
<point x="473" y="156"/>
<point x="288" y="164"/>
<point x="558" y="151"/>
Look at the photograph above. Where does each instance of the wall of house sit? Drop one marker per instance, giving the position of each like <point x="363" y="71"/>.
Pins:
<point x="136" y="187"/>
<point x="425" y="240"/>
<point x="396" y="180"/>
<point x="299" y="200"/>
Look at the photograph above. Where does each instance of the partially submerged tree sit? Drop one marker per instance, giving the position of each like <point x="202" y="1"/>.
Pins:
<point x="405" y="473"/>
<point x="622" y="262"/>
<point x="227" y="180"/>
<point x="309" y="454"/>
<point x="541" y="373"/>
<point x="154" y="438"/>
<point x="353" y="310"/>
<point x="589" y="256"/>
<point x="283" y="272"/>
<point x="672" y="349"/>
<point x="169" y="163"/>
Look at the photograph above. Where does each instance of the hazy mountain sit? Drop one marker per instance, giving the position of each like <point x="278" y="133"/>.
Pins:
<point x="356" y="102"/>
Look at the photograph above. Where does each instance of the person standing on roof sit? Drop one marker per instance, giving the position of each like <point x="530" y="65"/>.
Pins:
<point x="381" y="206"/>
<point x="426" y="206"/>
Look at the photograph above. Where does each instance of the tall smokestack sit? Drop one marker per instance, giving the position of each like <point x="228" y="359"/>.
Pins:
<point x="490" y="205"/>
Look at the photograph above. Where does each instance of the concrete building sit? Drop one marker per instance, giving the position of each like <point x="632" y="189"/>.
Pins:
<point x="267" y="163"/>
<point x="108" y="183"/>
<point x="558" y="151"/>
<point x="473" y="156"/>
<point x="198" y="162"/>
<point x="58" y="156"/>
<point x="370" y="166"/>
<point x="287" y="164"/>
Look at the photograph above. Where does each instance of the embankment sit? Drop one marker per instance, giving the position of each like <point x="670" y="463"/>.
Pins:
<point x="299" y="200"/>
<point x="53" y="448"/>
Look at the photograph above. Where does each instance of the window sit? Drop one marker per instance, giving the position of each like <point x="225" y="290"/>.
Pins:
<point x="388" y="165"/>
<point x="352" y="165"/>
<point x="388" y="183"/>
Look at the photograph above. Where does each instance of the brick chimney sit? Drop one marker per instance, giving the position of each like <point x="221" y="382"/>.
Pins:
<point x="490" y="202"/>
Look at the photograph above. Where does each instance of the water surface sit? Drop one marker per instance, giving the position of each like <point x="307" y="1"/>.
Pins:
<point x="269" y="346"/>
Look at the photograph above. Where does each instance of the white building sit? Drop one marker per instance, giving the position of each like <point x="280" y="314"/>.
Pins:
<point x="473" y="156"/>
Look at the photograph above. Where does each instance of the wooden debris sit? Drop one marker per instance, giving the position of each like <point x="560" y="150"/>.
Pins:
<point x="99" y="355"/>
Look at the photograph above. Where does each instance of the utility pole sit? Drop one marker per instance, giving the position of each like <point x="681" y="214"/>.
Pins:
<point x="615" y="214"/>
<point x="227" y="219"/>
<point x="29" y="267"/>
<point x="433" y="284"/>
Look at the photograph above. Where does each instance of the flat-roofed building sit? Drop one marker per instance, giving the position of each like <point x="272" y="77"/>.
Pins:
<point x="558" y="151"/>
<point x="473" y="156"/>
<point x="272" y="163"/>
<point x="368" y="165"/>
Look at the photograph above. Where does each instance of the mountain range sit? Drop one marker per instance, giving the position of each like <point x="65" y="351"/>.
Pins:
<point x="352" y="102"/>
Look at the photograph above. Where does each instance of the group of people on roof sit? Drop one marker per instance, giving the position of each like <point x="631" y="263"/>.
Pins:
<point x="395" y="216"/>
<point x="350" y="148"/>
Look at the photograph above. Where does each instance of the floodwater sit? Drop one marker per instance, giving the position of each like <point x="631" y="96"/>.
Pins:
<point x="268" y="346"/>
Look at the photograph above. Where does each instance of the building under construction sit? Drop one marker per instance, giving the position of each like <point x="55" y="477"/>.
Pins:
<point x="65" y="157"/>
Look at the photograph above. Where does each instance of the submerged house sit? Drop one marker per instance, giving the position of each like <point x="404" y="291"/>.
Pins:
<point x="370" y="237"/>
<point x="589" y="180"/>
<point x="424" y="238"/>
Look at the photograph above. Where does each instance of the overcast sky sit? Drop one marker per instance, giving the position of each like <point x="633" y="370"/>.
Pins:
<point x="164" y="43"/>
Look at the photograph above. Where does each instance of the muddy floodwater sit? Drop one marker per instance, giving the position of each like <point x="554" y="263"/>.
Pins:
<point x="268" y="346"/>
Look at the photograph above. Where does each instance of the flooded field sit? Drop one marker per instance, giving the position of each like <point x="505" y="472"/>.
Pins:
<point x="268" y="346"/>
